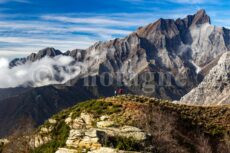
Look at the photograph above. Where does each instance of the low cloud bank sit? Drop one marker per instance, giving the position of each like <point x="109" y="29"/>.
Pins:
<point x="57" y="70"/>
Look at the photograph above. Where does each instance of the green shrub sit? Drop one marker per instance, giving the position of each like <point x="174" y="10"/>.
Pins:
<point x="59" y="134"/>
<point x="122" y="143"/>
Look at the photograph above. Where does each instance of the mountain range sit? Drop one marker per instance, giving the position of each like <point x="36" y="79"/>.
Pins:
<point x="183" y="60"/>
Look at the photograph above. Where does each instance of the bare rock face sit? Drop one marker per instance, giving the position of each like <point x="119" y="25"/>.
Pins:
<point x="214" y="89"/>
<point x="173" y="49"/>
<point x="208" y="43"/>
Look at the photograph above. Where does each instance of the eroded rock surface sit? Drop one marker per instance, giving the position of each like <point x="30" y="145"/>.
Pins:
<point x="84" y="135"/>
<point x="214" y="89"/>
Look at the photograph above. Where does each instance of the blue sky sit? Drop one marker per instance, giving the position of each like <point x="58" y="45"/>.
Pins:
<point x="29" y="25"/>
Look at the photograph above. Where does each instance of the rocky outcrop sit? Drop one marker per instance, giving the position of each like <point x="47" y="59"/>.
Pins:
<point x="39" y="140"/>
<point x="88" y="132"/>
<point x="214" y="89"/>
<point x="43" y="136"/>
<point x="83" y="135"/>
<point x="4" y="142"/>
<point x="103" y="124"/>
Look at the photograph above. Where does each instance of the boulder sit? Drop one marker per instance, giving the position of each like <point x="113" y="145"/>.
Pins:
<point x="125" y="131"/>
<point x="52" y="121"/>
<point x="88" y="119"/>
<point x="90" y="143"/>
<point x="104" y="117"/>
<point x="78" y="123"/>
<point x="46" y="130"/>
<point x="68" y="120"/>
<point x="4" y="142"/>
<point x="103" y="124"/>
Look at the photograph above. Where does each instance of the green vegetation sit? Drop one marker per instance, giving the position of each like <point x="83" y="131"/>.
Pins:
<point x="214" y="121"/>
<point x="186" y="127"/>
<point x="122" y="143"/>
<point x="96" y="108"/>
<point x="61" y="131"/>
<point x="59" y="134"/>
<point x="211" y="120"/>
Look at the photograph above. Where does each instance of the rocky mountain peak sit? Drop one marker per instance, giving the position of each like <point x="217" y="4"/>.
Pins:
<point x="50" y="52"/>
<point x="171" y="25"/>
<point x="201" y="17"/>
<point x="165" y="26"/>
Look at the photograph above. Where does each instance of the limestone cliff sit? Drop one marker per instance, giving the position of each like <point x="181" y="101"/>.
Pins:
<point x="215" y="88"/>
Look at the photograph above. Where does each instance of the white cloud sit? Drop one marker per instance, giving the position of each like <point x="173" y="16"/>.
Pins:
<point x="3" y="63"/>
<point x="42" y="27"/>
<point x="89" y="20"/>
<point x="39" y="73"/>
